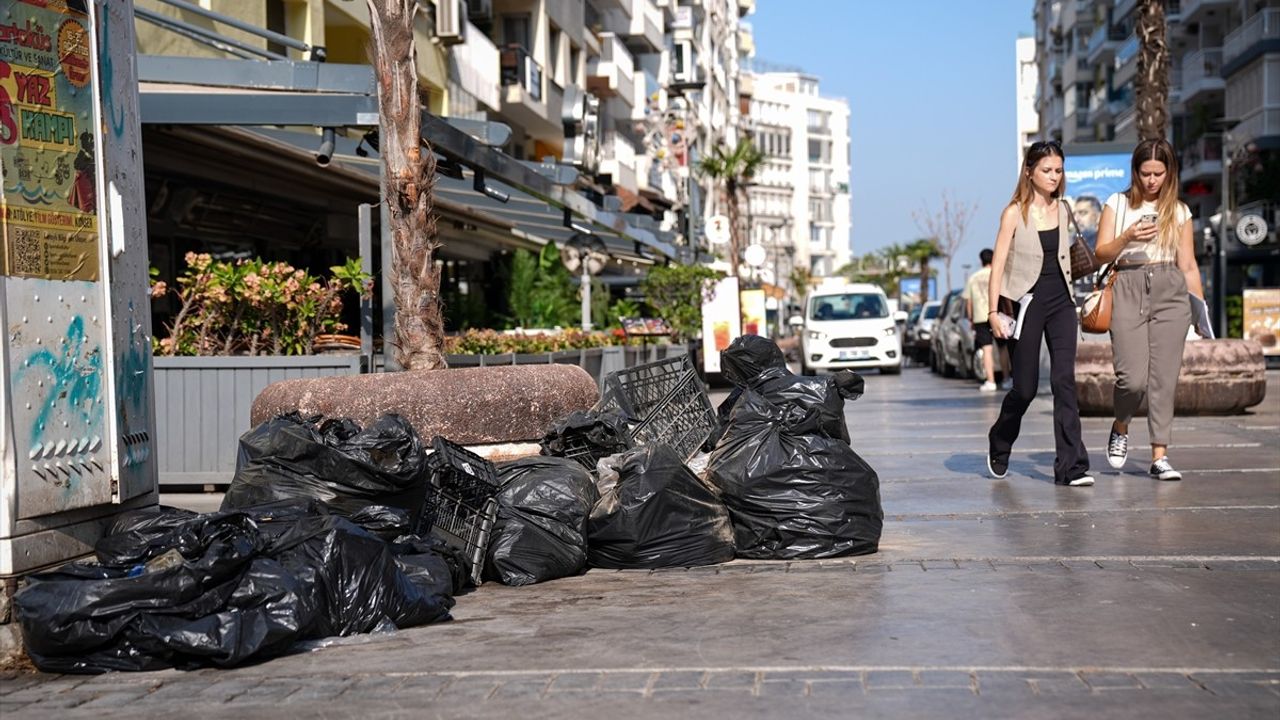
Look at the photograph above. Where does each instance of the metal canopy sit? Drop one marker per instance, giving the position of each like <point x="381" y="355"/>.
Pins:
<point x="199" y="91"/>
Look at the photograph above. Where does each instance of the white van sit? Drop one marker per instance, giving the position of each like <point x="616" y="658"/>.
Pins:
<point x="849" y="326"/>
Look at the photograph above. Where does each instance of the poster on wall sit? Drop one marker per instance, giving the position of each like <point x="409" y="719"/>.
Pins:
<point x="1262" y="318"/>
<point x="1091" y="179"/>
<point x="753" y="312"/>
<point x="48" y="197"/>
<point x="721" y="320"/>
<point x="909" y="290"/>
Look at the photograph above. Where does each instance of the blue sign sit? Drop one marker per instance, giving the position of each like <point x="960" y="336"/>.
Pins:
<point x="910" y="287"/>
<point x="1091" y="179"/>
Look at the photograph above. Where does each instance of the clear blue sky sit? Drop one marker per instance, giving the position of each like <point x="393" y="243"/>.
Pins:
<point x="930" y="85"/>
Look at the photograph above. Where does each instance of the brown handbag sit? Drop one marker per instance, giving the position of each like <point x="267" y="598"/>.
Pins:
<point x="1083" y="262"/>
<point x="1095" y="312"/>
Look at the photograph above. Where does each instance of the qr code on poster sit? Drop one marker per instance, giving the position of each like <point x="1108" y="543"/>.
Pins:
<point x="28" y="256"/>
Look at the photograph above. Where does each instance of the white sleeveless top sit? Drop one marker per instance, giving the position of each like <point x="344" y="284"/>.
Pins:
<point x="1141" y="252"/>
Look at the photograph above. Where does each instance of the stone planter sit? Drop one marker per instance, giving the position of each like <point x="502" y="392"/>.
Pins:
<point x="1219" y="377"/>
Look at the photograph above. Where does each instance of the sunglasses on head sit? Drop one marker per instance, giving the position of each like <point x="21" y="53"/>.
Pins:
<point x="1044" y="144"/>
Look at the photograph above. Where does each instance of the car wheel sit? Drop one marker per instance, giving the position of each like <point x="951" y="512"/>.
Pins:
<point x="948" y="370"/>
<point x="966" y="363"/>
<point x="891" y="369"/>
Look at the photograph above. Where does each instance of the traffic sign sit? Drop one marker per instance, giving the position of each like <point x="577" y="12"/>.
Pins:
<point x="718" y="229"/>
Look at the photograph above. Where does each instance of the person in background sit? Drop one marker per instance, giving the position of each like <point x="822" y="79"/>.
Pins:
<point x="1032" y="267"/>
<point x="1147" y="232"/>
<point x="1088" y="213"/>
<point x="976" y="301"/>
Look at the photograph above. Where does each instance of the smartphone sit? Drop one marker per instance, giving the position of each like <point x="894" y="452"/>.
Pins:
<point x="1149" y="218"/>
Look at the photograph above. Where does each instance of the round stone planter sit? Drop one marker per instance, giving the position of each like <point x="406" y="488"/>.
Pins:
<point x="1219" y="377"/>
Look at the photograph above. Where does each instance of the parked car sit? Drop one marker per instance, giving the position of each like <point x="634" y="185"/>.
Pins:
<point x="919" y="334"/>
<point x="849" y="326"/>
<point x="952" y="342"/>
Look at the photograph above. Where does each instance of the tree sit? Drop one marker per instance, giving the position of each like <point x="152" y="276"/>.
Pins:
<point x="1152" y="80"/>
<point x="409" y="171"/>
<point x="732" y="169"/>
<point x="921" y="252"/>
<point x="946" y="226"/>
<point x="675" y="294"/>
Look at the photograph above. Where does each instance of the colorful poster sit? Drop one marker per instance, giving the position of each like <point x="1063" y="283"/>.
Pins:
<point x="1262" y="318"/>
<point x="753" y="312"/>
<point x="49" y="191"/>
<point x="721" y="320"/>
<point x="1091" y="179"/>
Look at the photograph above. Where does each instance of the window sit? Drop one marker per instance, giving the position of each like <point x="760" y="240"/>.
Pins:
<point x="819" y="151"/>
<point x="848" y="306"/>
<point x="553" y="56"/>
<point x="515" y="31"/>
<point x="931" y="311"/>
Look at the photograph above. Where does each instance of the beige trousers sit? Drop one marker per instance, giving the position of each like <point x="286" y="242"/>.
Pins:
<point x="1150" y="316"/>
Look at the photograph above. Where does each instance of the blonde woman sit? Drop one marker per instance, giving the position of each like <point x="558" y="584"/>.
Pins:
<point x="1032" y="267"/>
<point x="1147" y="232"/>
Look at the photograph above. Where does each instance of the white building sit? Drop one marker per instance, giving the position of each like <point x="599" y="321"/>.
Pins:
<point x="799" y="202"/>
<point x="1027" y="83"/>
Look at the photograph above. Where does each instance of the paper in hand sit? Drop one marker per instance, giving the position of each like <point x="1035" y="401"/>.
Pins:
<point x="1200" y="317"/>
<point x="1023" y="304"/>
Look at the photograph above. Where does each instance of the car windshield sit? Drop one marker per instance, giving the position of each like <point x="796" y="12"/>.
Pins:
<point x="931" y="312"/>
<point x="848" y="306"/>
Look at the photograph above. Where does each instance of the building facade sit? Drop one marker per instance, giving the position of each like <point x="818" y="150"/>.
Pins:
<point x="1026" y="84"/>
<point x="799" y="200"/>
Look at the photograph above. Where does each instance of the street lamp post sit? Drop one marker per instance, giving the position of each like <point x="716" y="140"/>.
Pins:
<point x="1224" y="231"/>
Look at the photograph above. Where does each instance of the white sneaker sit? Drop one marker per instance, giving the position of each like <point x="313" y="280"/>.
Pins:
<point x="1082" y="481"/>
<point x="1117" y="449"/>
<point x="988" y="387"/>
<point x="1162" y="469"/>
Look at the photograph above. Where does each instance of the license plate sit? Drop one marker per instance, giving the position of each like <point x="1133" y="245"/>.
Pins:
<point x="855" y="354"/>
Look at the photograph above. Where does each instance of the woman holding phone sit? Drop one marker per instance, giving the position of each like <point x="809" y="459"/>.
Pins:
<point x="1147" y="232"/>
<point x="1032" y="267"/>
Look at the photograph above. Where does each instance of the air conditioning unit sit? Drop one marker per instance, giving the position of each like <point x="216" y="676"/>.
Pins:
<point x="451" y="21"/>
<point x="480" y="12"/>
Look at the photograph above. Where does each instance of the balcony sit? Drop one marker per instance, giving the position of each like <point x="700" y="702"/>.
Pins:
<point x="1202" y="159"/>
<point x="618" y="159"/>
<point x="476" y="63"/>
<point x="1126" y="63"/>
<point x="746" y="7"/>
<point x="529" y="99"/>
<point x="746" y="40"/>
<point x="1103" y="44"/>
<point x="1263" y="122"/>
<point x="612" y="75"/>
<point x="640" y="23"/>
<point x="1124" y="8"/>
<point x="1202" y="74"/>
<point x="1194" y="10"/>
<point x="1263" y="26"/>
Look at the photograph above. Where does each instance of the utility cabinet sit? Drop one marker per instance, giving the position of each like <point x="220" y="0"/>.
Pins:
<point x="77" y="424"/>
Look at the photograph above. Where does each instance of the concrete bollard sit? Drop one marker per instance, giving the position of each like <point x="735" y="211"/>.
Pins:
<point x="1219" y="377"/>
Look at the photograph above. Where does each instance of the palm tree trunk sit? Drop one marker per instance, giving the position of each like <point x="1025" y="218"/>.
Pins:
<point x="735" y="248"/>
<point x="408" y="179"/>
<point x="924" y="281"/>
<point x="1152" y="81"/>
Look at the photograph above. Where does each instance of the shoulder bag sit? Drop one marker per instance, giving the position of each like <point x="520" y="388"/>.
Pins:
<point x="1083" y="262"/>
<point x="1095" y="311"/>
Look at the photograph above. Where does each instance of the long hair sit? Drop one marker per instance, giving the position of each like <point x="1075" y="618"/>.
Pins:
<point x="1167" y="200"/>
<point x="1023" y="192"/>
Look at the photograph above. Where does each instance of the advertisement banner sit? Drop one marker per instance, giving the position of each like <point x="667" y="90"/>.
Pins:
<point x="1091" y="179"/>
<point x="1262" y="318"/>
<point x="753" y="312"/>
<point x="721" y="320"/>
<point x="909" y="290"/>
<point x="48" y="197"/>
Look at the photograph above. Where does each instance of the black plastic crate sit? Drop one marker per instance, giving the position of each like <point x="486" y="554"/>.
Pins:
<point x="667" y="402"/>
<point x="462" y="473"/>
<point x="638" y="390"/>
<point x="460" y="525"/>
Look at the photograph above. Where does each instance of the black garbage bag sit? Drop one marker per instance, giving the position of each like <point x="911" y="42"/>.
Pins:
<point x="333" y="460"/>
<point x="659" y="514"/>
<point x="175" y="589"/>
<point x="541" y="532"/>
<point x="587" y="435"/>
<point x="784" y="467"/>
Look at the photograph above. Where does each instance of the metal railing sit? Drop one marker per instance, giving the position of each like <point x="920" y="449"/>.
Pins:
<point x="1199" y="67"/>
<point x="519" y="68"/>
<point x="1264" y="25"/>
<point x="213" y="39"/>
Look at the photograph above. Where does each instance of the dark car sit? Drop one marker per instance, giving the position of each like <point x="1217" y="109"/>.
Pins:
<point x="952" y="342"/>
<point x="919" y="335"/>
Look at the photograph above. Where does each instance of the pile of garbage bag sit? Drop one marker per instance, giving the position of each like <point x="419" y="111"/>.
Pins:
<point x="793" y="485"/>
<point x="333" y="460"/>
<point x="172" y="588"/>
<point x="541" y="531"/>
<point x="588" y="435"/>
<point x="658" y="514"/>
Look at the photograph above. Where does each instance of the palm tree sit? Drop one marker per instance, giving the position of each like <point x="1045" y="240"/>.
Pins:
<point x="921" y="252"/>
<point x="732" y="169"/>
<point x="1152" y="81"/>
<point x="409" y="176"/>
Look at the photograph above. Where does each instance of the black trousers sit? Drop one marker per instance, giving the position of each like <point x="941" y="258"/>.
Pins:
<point x="1052" y="315"/>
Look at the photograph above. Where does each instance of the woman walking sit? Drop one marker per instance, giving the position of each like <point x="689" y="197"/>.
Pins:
<point x="1032" y="267"/>
<point x="1147" y="232"/>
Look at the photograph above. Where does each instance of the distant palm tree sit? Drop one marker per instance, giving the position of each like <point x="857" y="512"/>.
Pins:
<point x="410" y="172"/>
<point x="1152" y="81"/>
<point x="921" y="252"/>
<point x="732" y="170"/>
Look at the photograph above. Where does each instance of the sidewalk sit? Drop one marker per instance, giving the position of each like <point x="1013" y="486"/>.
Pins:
<point x="1012" y="598"/>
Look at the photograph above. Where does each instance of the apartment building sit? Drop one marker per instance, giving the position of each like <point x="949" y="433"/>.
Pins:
<point x="799" y="201"/>
<point x="1026" y="84"/>
<point x="1224" y="102"/>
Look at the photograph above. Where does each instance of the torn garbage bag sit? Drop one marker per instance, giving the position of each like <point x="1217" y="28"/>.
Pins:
<point x="541" y="532"/>
<point x="784" y="467"/>
<point x="332" y="460"/>
<point x="658" y="515"/>
<point x="170" y="588"/>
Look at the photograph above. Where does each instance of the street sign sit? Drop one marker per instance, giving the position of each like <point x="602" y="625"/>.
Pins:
<point x="755" y="255"/>
<point x="718" y="229"/>
<point x="1251" y="229"/>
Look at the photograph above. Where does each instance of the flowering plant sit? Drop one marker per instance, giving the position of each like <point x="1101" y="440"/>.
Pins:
<point x="255" y="307"/>
<point x="493" y="342"/>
